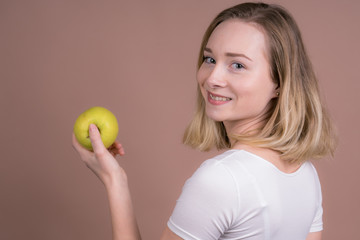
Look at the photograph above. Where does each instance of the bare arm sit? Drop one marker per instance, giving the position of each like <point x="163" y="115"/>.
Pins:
<point x="314" y="236"/>
<point x="169" y="235"/>
<point x="105" y="166"/>
<point x="123" y="219"/>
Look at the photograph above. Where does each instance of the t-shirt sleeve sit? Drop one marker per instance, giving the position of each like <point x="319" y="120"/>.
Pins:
<point x="317" y="224"/>
<point x="207" y="205"/>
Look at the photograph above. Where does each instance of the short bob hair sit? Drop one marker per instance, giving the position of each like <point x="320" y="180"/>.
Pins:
<point x="297" y="124"/>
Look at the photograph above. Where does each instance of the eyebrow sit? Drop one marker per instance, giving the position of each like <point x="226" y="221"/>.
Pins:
<point x="229" y="54"/>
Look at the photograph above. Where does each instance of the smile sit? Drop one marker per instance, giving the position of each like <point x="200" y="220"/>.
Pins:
<point x="219" y="98"/>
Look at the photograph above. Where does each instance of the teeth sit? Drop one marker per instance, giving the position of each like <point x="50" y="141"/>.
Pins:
<point x="219" y="98"/>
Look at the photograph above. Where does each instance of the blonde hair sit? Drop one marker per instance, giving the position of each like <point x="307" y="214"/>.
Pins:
<point x="298" y="125"/>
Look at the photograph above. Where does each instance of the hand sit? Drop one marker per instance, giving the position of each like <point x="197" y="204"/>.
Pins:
<point x="101" y="161"/>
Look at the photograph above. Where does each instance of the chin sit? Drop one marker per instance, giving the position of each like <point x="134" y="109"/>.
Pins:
<point x="215" y="116"/>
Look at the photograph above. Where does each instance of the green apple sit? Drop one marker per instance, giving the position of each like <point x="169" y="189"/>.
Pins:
<point x="105" y="121"/>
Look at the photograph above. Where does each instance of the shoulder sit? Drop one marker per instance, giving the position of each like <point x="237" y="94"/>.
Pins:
<point x="213" y="174"/>
<point x="310" y="174"/>
<point x="210" y="202"/>
<point x="220" y="165"/>
<point x="221" y="174"/>
<point x="236" y="163"/>
<point x="313" y="175"/>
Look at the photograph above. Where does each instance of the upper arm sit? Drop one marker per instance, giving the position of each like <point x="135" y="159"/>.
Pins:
<point x="314" y="236"/>
<point x="169" y="235"/>
<point x="207" y="204"/>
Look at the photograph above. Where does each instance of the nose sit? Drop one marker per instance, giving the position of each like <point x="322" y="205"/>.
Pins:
<point x="216" y="79"/>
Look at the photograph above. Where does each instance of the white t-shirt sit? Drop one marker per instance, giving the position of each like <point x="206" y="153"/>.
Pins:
<point x="238" y="195"/>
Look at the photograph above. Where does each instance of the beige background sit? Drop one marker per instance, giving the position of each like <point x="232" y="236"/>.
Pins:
<point x="138" y="59"/>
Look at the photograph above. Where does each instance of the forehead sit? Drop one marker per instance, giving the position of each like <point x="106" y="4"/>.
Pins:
<point x="236" y="36"/>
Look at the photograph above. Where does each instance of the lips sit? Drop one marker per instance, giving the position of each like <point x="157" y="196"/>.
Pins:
<point x="217" y="99"/>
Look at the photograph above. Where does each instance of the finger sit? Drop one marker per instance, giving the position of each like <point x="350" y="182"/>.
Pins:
<point x="118" y="148"/>
<point x="95" y="139"/>
<point x="112" y="150"/>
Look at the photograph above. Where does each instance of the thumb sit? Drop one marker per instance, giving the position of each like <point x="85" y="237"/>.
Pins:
<point x="95" y="138"/>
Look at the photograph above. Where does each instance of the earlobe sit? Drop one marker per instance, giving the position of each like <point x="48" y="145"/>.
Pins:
<point x="277" y="90"/>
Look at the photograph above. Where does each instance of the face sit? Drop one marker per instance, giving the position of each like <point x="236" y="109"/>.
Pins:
<point x="234" y="77"/>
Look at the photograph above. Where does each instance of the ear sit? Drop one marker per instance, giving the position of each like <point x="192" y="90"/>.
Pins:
<point x="276" y="92"/>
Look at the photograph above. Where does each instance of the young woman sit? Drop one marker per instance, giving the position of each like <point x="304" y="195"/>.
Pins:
<point x="258" y="97"/>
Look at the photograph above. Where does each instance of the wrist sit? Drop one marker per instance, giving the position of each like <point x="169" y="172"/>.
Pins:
<point x="117" y="180"/>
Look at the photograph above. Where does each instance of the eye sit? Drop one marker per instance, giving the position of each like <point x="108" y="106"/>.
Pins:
<point x="209" y="60"/>
<point x="237" y="66"/>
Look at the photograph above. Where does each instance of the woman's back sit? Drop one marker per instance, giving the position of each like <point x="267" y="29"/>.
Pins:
<point x="238" y="195"/>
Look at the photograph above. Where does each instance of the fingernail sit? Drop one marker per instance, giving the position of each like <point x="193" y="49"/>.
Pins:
<point x="92" y="127"/>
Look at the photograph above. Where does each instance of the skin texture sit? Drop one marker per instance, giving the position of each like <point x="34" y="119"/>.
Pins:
<point x="104" y="165"/>
<point x="314" y="236"/>
<point x="236" y="67"/>
<point x="235" y="70"/>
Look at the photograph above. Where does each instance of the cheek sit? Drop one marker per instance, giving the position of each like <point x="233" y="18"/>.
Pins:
<point x="201" y="76"/>
<point x="254" y="92"/>
<point x="242" y="88"/>
<point x="201" y="79"/>
<point x="198" y="77"/>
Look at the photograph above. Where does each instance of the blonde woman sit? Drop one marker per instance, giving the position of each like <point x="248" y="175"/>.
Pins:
<point x="258" y="98"/>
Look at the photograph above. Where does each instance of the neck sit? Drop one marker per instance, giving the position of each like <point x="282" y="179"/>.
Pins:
<point x="245" y="127"/>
